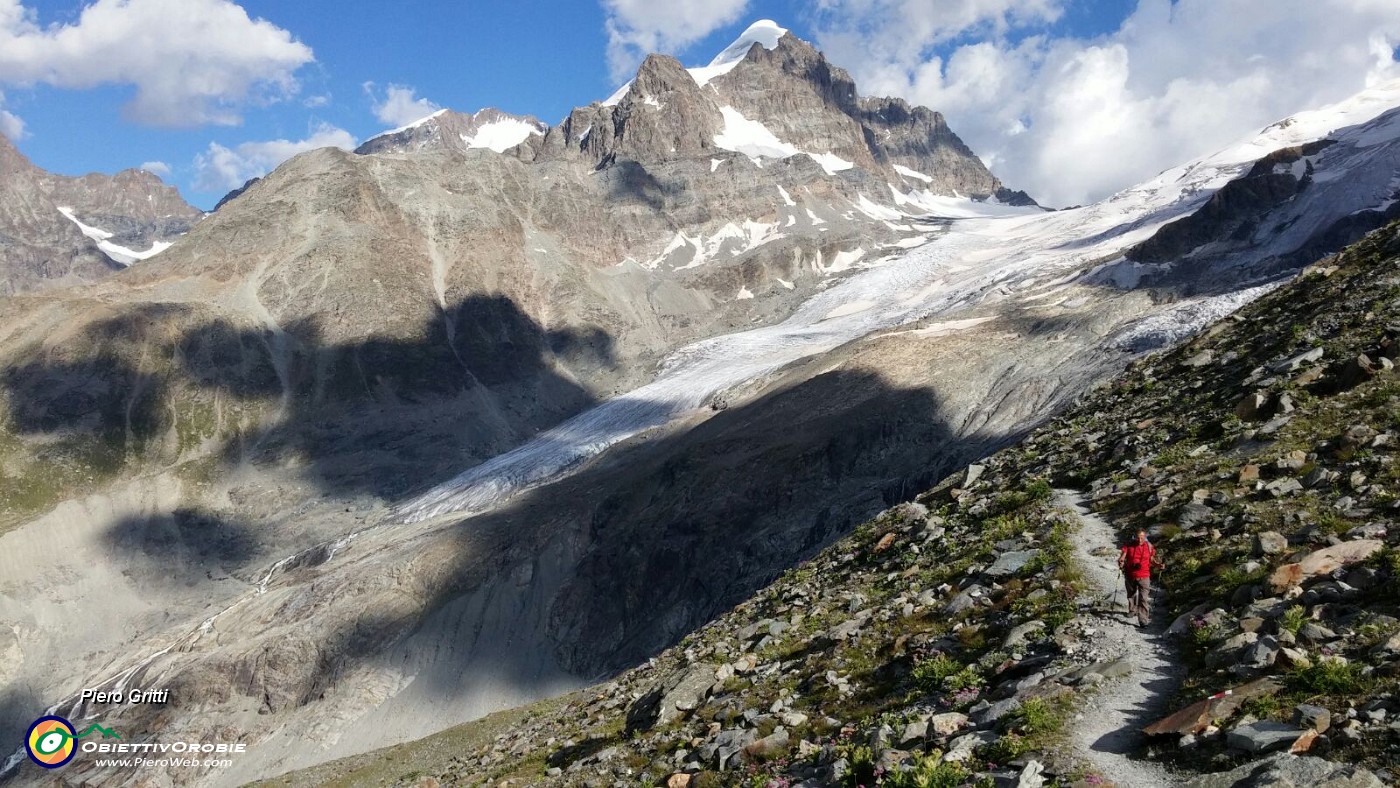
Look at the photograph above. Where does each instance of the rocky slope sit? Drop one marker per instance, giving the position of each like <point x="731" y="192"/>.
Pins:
<point x="57" y="230"/>
<point x="949" y="641"/>
<point x="393" y="441"/>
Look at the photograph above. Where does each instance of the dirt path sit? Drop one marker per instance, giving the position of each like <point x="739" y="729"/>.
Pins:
<point x="1108" y="735"/>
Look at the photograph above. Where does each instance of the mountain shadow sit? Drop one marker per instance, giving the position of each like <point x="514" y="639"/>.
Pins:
<point x="374" y="416"/>
<point x="668" y="533"/>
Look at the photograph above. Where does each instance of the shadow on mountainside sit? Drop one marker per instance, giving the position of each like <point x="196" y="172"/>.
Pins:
<point x="376" y="416"/>
<point x="669" y="533"/>
<point x="648" y="542"/>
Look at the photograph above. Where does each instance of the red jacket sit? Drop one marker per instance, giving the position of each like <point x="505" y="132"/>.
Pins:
<point x="1137" y="560"/>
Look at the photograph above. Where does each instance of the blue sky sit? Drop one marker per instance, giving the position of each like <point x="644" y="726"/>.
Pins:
<point x="127" y="98"/>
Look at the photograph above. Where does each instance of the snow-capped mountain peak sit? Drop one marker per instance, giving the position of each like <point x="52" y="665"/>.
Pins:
<point x="486" y="128"/>
<point x="765" y="32"/>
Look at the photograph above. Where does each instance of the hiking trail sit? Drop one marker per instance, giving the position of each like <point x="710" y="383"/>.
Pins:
<point x="1108" y="733"/>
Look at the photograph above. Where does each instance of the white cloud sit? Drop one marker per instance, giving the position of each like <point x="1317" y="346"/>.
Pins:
<point x="11" y="125"/>
<point x="191" y="61"/>
<point x="319" y="100"/>
<point x="637" y="28"/>
<point x="1072" y="120"/>
<point x="158" y="168"/>
<point x="400" y="106"/>
<point x="220" y="168"/>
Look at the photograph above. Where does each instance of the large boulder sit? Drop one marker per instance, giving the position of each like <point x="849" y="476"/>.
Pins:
<point x="1290" y="771"/>
<point x="1264" y="736"/>
<point x="1321" y="562"/>
<point x="680" y="693"/>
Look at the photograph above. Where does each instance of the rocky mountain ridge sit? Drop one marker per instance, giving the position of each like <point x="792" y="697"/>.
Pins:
<point x="58" y="229"/>
<point x="769" y="94"/>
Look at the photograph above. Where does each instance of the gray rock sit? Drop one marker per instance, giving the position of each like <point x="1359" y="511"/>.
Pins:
<point x="1032" y="775"/>
<point x="1295" y="363"/>
<point x="985" y="714"/>
<point x="974" y="472"/>
<point x="948" y="723"/>
<point x="1290" y="771"/>
<point x="1263" y="736"/>
<point x="1194" y="514"/>
<point x="913" y="732"/>
<point x="964" y="746"/>
<point x="682" y="692"/>
<point x="1008" y="564"/>
<point x="1283" y="487"/>
<point x="1199" y="360"/>
<point x="721" y="750"/>
<point x="1261" y="654"/>
<point x="1270" y="543"/>
<point x="966" y="599"/>
<point x="1021" y="632"/>
<point x="1315" y="717"/>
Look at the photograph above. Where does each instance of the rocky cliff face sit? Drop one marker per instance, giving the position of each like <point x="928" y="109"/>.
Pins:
<point x="775" y="97"/>
<point x="41" y="246"/>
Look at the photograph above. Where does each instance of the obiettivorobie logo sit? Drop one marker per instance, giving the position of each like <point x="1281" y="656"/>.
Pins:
<point x="52" y="741"/>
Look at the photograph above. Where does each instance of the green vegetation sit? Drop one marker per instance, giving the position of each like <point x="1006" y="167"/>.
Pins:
<point x="1330" y="677"/>
<point x="929" y="771"/>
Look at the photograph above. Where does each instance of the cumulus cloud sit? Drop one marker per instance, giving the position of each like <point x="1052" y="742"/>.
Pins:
<point x="399" y="105"/>
<point x="158" y="168"/>
<point x="1073" y="120"/>
<point x="191" y="62"/>
<point x="220" y="168"/>
<point x="637" y="28"/>
<point x="11" y="125"/>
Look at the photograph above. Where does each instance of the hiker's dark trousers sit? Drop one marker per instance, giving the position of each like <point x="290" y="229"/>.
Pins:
<point x="1137" y="597"/>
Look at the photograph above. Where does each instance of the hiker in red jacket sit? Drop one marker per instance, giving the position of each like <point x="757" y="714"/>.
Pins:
<point x="1136" y="561"/>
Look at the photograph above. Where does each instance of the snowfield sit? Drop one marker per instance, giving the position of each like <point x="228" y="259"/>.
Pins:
<point x="117" y="252"/>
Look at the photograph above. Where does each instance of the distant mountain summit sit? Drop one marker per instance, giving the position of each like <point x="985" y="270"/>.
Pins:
<point x="57" y="229"/>
<point x="448" y="130"/>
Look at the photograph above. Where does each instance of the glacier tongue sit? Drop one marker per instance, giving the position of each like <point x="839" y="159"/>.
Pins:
<point x="1025" y="255"/>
